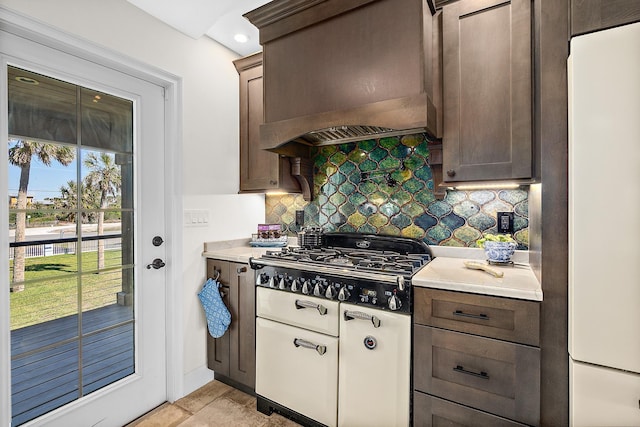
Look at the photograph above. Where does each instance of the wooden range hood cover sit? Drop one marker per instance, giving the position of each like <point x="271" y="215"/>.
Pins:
<point x="336" y="71"/>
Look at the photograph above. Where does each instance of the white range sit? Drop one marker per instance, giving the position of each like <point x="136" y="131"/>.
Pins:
<point x="333" y="330"/>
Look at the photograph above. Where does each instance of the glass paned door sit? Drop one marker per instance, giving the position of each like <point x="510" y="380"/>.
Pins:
<point x="71" y="213"/>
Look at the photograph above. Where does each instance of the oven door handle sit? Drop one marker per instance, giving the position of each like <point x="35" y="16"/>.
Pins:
<point x="350" y="315"/>
<point x="299" y="342"/>
<point x="308" y="304"/>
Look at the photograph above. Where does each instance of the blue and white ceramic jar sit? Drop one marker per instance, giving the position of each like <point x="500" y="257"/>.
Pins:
<point x="499" y="251"/>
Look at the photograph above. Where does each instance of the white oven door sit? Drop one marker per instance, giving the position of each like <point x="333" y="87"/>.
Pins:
<point x="298" y="369"/>
<point x="374" y="377"/>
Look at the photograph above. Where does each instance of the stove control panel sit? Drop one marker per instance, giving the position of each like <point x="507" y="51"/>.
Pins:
<point x="379" y="295"/>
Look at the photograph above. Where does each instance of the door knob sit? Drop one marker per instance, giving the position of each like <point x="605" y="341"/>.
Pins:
<point x="156" y="264"/>
<point x="157" y="241"/>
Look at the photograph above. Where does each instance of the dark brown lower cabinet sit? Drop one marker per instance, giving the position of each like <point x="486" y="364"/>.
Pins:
<point x="233" y="356"/>
<point x="462" y="375"/>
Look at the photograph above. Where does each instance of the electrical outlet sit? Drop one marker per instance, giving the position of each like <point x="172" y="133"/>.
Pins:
<point x="299" y="218"/>
<point x="505" y="222"/>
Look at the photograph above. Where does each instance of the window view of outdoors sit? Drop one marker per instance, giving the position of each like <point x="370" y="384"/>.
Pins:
<point x="71" y="241"/>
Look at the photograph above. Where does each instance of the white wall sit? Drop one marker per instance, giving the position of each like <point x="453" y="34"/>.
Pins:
<point x="210" y="165"/>
<point x="236" y="218"/>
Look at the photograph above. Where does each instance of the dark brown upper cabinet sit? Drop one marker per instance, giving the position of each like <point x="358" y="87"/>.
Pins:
<point x="487" y="90"/>
<point x="594" y="15"/>
<point x="261" y="170"/>
<point x="344" y="70"/>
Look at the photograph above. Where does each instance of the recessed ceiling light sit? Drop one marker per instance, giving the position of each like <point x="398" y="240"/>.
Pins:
<point x="241" y="38"/>
<point x="27" y="80"/>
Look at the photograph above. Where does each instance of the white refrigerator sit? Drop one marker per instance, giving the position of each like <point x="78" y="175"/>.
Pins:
<point x="604" y="228"/>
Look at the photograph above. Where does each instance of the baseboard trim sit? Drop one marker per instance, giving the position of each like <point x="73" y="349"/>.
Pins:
<point x="196" y="379"/>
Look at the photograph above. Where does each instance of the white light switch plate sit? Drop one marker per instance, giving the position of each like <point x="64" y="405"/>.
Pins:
<point x="196" y="218"/>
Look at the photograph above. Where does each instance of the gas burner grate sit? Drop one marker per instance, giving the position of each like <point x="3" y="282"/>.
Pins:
<point x="388" y="262"/>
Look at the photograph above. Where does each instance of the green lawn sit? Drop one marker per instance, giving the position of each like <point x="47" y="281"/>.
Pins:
<point x="53" y="289"/>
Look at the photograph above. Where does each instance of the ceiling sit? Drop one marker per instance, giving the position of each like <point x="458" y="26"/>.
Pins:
<point x="219" y="19"/>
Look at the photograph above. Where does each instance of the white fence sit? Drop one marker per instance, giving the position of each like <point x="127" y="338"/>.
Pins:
<point x="48" y="249"/>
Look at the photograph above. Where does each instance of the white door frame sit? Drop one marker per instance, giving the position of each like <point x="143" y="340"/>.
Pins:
<point x="36" y="31"/>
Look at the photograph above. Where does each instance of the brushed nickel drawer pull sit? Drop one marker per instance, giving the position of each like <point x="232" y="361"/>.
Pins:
<point x="321" y="349"/>
<point x="308" y="304"/>
<point x="473" y="316"/>
<point x="350" y="315"/>
<point x="482" y="374"/>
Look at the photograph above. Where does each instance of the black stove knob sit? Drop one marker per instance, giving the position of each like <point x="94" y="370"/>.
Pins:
<point x="344" y="294"/>
<point x="318" y="290"/>
<point x="262" y="278"/>
<point x="394" y="302"/>
<point x="295" y="285"/>
<point x="307" y="287"/>
<point x="273" y="282"/>
<point x="331" y="292"/>
<point x="401" y="283"/>
<point x="283" y="283"/>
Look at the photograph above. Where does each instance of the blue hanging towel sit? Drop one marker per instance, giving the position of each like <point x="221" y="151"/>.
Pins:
<point x="218" y="316"/>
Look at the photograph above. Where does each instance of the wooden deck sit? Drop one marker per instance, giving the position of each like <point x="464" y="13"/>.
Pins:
<point x="45" y="372"/>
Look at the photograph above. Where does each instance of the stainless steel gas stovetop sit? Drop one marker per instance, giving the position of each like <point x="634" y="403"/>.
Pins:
<point x="365" y="269"/>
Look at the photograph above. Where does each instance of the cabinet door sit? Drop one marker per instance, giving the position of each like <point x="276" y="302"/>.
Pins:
<point x="487" y="86"/>
<point x="218" y="348"/>
<point x="259" y="169"/>
<point x="242" y="352"/>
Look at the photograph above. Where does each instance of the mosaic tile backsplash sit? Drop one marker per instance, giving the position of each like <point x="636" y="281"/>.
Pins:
<point x="385" y="186"/>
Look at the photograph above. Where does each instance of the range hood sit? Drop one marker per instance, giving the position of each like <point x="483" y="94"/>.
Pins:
<point x="338" y="71"/>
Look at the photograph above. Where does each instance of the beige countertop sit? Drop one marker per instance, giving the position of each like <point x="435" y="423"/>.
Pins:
<point x="233" y="250"/>
<point x="446" y="271"/>
<point x="450" y="274"/>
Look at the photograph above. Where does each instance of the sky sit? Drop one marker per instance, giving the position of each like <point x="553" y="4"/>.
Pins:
<point x="44" y="181"/>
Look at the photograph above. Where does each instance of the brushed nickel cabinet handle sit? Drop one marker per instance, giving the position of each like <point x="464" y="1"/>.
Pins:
<point x="349" y="315"/>
<point x="451" y="173"/>
<point x="308" y="304"/>
<point x="321" y="349"/>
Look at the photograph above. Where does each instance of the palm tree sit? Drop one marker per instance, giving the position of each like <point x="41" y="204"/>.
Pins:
<point x="20" y="155"/>
<point x="104" y="176"/>
<point x="67" y="203"/>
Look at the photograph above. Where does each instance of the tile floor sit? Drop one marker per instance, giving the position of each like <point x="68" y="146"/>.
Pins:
<point x="213" y="405"/>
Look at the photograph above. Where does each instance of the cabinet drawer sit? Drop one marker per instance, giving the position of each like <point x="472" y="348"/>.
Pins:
<point x="493" y="317"/>
<point x="494" y="376"/>
<point x="429" y="411"/>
